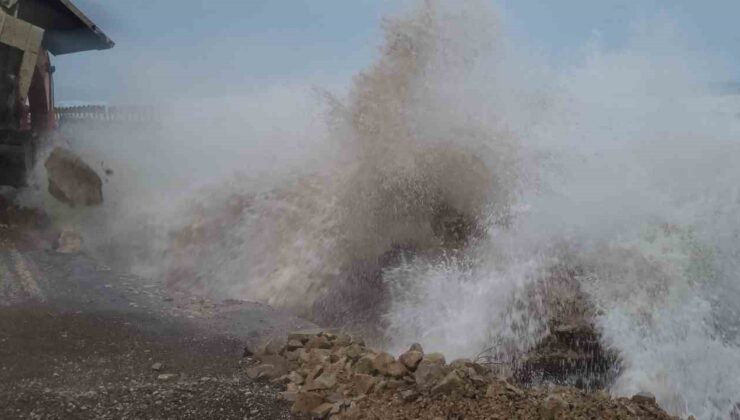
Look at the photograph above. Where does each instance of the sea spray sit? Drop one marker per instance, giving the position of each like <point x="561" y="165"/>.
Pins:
<point x="461" y="187"/>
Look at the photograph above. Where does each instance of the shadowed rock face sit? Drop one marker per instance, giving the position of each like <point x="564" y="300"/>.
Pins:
<point x="72" y="181"/>
<point x="570" y="352"/>
<point x="571" y="355"/>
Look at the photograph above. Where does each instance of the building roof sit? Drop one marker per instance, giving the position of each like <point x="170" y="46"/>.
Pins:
<point x="67" y="29"/>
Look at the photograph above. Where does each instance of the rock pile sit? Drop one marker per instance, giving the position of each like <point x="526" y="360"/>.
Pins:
<point x="328" y="375"/>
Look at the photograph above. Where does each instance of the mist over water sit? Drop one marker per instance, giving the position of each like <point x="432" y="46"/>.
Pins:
<point x="427" y="202"/>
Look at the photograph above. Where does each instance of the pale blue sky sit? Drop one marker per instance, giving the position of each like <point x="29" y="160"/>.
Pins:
<point x="194" y="48"/>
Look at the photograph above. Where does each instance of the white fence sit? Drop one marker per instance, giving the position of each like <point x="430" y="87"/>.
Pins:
<point x="103" y="113"/>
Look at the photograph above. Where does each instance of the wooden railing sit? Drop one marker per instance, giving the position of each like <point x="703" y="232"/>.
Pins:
<point x="125" y="113"/>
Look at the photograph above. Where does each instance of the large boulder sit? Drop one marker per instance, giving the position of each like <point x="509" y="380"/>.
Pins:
<point x="364" y="365"/>
<point x="411" y="359"/>
<point x="71" y="180"/>
<point x="396" y="370"/>
<point x="429" y="371"/>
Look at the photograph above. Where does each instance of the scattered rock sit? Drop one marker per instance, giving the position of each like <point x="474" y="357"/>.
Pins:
<point x="435" y="358"/>
<point x="396" y="370"/>
<point x="553" y="407"/>
<point x="158" y="367"/>
<point x="266" y="371"/>
<point x="513" y="389"/>
<point x="295" y="377"/>
<point x="335" y="376"/>
<point x="364" y="365"/>
<point x="284" y="380"/>
<point x="278" y="362"/>
<point x="461" y="364"/>
<point x="293" y="345"/>
<point x="342" y="340"/>
<point x="317" y="342"/>
<point x="304" y="335"/>
<point x="334" y="397"/>
<point x="314" y="372"/>
<point x="644" y="398"/>
<point x="428" y="372"/>
<point x="289" y="396"/>
<point x="452" y="384"/>
<point x="601" y="394"/>
<point x="475" y="378"/>
<point x="394" y="384"/>
<point x="324" y="381"/>
<point x="273" y="347"/>
<point x="305" y="402"/>
<point x="322" y="410"/>
<point x="381" y="384"/>
<point x="166" y="376"/>
<point x="492" y="390"/>
<point x="381" y="363"/>
<point x="411" y="359"/>
<point x="69" y="242"/>
<point x="353" y="351"/>
<point x="409" y="395"/>
<point x="247" y="351"/>
<point x="292" y="356"/>
<point x="362" y="383"/>
<point x="314" y="357"/>
<point x="480" y="369"/>
<point x="337" y="407"/>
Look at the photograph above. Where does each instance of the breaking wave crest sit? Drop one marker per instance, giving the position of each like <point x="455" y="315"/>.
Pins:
<point x="412" y="176"/>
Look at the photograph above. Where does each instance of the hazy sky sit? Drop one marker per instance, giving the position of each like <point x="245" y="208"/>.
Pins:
<point x="195" y="48"/>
